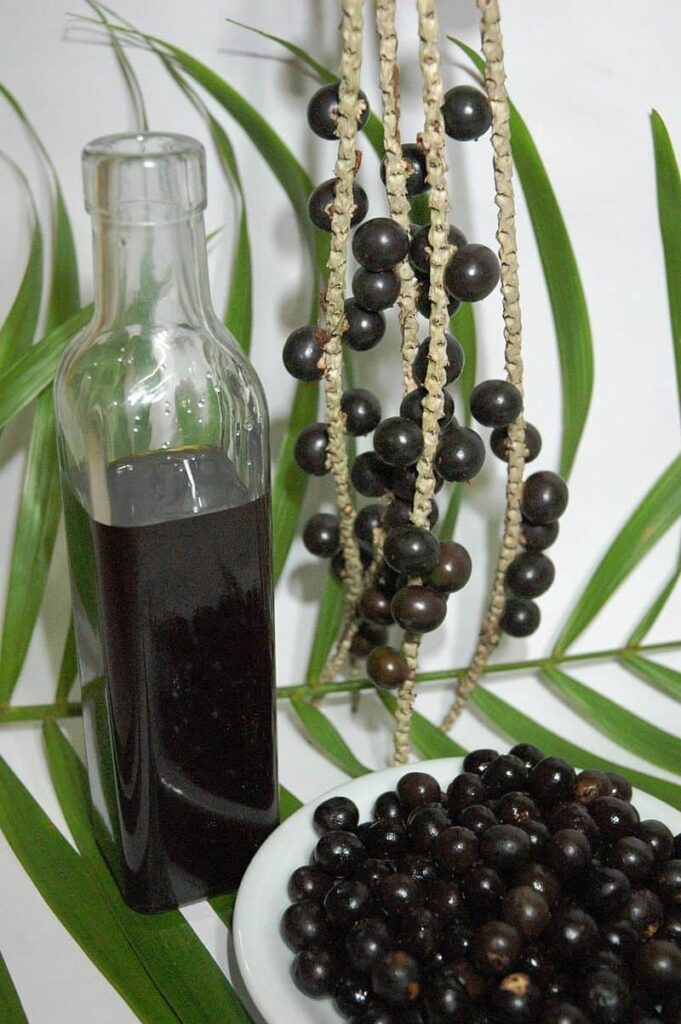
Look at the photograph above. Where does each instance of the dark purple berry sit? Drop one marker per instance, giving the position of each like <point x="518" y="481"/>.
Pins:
<point x="460" y="454"/>
<point x="453" y="568"/>
<point x="347" y="902"/>
<point x="521" y="617"/>
<point x="419" y="249"/>
<point x="321" y="535"/>
<point x="505" y="774"/>
<point x="495" y="947"/>
<point x="573" y="935"/>
<point x="337" y="814"/>
<point x="309" y="883"/>
<point x="395" y="977"/>
<point x="551" y="781"/>
<point x="472" y="273"/>
<point x="499" y="442"/>
<point x="530" y="574"/>
<point x="496" y="403"/>
<point x="538" y="537"/>
<point x="477" y="760"/>
<point x="339" y="853"/>
<point x="362" y="411"/>
<point x="545" y="497"/>
<point x="506" y="848"/>
<point x="367" y="520"/>
<point x="310" y="449"/>
<point x="414" y="157"/>
<point x="370" y="476"/>
<point x="466" y="112"/>
<point x="455" y="360"/>
<point x="380" y="244"/>
<point x="387" y="668"/>
<point x="365" y="328"/>
<point x="456" y="850"/>
<point x="398" y="441"/>
<point x="410" y="549"/>
<point x="411" y="407"/>
<point x="418" y="789"/>
<point x="304" y="926"/>
<point x="302" y="353"/>
<point x="418" y="609"/>
<point x="322" y="111"/>
<point x="320" y="204"/>
<point x="375" y="290"/>
<point x="526" y="910"/>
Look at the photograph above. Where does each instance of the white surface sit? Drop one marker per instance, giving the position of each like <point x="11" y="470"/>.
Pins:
<point x="263" y="958"/>
<point x="585" y="78"/>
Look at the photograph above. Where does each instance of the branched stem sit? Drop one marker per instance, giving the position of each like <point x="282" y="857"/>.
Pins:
<point x="495" y="84"/>
<point x="37" y="712"/>
<point x="433" y="138"/>
<point x="341" y="215"/>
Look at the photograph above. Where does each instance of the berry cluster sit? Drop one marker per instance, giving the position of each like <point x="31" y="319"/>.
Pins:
<point x="496" y="404"/>
<point x="523" y="893"/>
<point x="388" y="471"/>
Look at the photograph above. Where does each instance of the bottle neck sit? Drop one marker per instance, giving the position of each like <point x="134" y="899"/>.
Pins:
<point x="151" y="273"/>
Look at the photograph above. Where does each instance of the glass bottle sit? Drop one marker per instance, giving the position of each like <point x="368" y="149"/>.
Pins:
<point x="164" y="457"/>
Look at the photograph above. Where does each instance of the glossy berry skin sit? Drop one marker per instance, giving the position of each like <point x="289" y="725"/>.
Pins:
<point x="379" y="244"/>
<point x="419" y="867"/>
<point x="539" y="838"/>
<point x="419" y="932"/>
<point x="528" y="754"/>
<point x="418" y="609"/>
<point x="414" y="157"/>
<point x="321" y="535"/>
<point x="499" y="442"/>
<point x="658" y="837"/>
<point x="398" y="513"/>
<point x="418" y="789"/>
<point x="631" y="856"/>
<point x="521" y="617"/>
<point x="614" y="817"/>
<point x="374" y="605"/>
<point x="403" y="483"/>
<point x="368" y="519"/>
<point x="367" y="637"/>
<point x="590" y="785"/>
<point x="395" y="978"/>
<point x="411" y="407"/>
<point x="517" y="999"/>
<point x="530" y="574"/>
<point x="453" y="569"/>
<point x="410" y="549"/>
<point x="515" y="808"/>
<point x="339" y="853"/>
<point x="347" y="902"/>
<point x="455" y="360"/>
<point x="386" y="839"/>
<point x="477" y="760"/>
<point x="552" y="780"/>
<point x="352" y="995"/>
<point x="302" y="353"/>
<point x="322" y="111"/>
<point x="375" y="290"/>
<point x="538" y="537"/>
<point x="482" y="887"/>
<point x="645" y="911"/>
<point x="570" y="853"/>
<point x="304" y="926"/>
<point x="574" y="935"/>
<point x="425" y="824"/>
<point x="495" y="947"/>
<point x="309" y="883"/>
<point x="397" y="894"/>
<point x="366" y="941"/>
<point x="443" y="896"/>
<point x="472" y="273"/>
<point x="386" y="668"/>
<point x="456" y="850"/>
<point x="543" y="880"/>
<point x="365" y="328"/>
<point x="606" y="892"/>
<point x="621" y="937"/>
<point x="477" y="817"/>
<point x="398" y="441"/>
<point x="388" y="805"/>
<point x="606" y="998"/>
<point x="545" y="497"/>
<point x="466" y="113"/>
<point x="321" y="200"/>
<point x="446" y="1001"/>
<point x="460" y="454"/>
<point x="562" y="1013"/>
<point x="424" y="305"/>
<point x="505" y="848"/>
<point x="337" y="814"/>
<point x="310" y="449"/>
<point x="419" y="248"/>
<point x="620" y="787"/>
<point x="506" y="774"/>
<point x="370" y="476"/>
<point x="496" y="403"/>
<point x="464" y="791"/>
<point x="337" y="565"/>
<point x="526" y="910"/>
<point x="315" y="972"/>
<point x="658" y="967"/>
<point x="362" y="411"/>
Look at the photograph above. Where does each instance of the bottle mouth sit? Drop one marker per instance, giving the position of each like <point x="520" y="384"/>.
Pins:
<point x="144" y="177"/>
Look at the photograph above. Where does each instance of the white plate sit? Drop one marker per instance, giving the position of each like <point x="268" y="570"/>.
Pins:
<point x="263" y="958"/>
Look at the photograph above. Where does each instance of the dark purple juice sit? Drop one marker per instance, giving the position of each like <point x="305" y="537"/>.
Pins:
<point x="181" y="733"/>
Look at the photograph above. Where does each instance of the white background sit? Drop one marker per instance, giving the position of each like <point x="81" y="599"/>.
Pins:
<point x="585" y="77"/>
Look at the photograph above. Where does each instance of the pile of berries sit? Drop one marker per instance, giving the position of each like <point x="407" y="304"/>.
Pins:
<point x="525" y="892"/>
<point x="388" y="471"/>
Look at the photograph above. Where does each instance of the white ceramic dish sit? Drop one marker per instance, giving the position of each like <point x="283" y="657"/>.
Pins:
<point x="263" y="959"/>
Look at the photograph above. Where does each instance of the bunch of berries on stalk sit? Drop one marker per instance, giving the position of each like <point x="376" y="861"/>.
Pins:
<point x="387" y="473"/>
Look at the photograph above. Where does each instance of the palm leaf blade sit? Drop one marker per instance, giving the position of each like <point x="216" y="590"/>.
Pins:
<point x="665" y="679"/>
<point x="329" y="621"/>
<point x="327" y="738"/>
<point x="658" y="510"/>
<point x="668" y="205"/>
<point x="429" y="740"/>
<point x="634" y="733"/>
<point x="13" y="1011"/>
